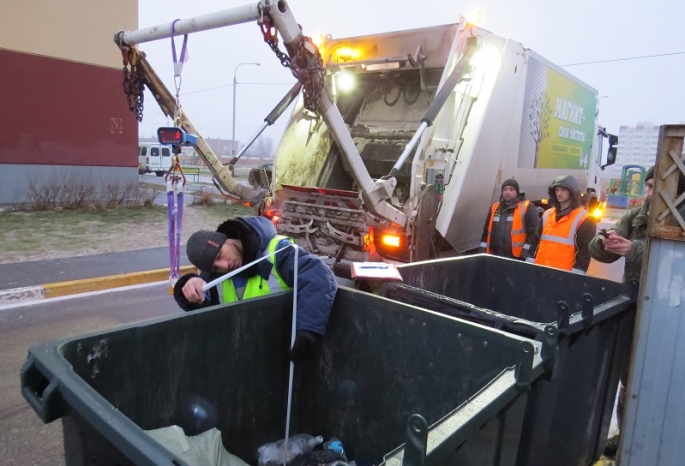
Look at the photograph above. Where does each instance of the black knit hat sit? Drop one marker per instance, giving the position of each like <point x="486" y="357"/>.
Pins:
<point x="513" y="183"/>
<point x="649" y="174"/>
<point x="203" y="247"/>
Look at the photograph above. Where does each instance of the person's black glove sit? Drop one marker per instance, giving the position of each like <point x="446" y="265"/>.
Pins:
<point x="304" y="339"/>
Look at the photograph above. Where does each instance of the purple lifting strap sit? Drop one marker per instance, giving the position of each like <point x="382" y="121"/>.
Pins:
<point x="178" y="64"/>
<point x="170" y="197"/>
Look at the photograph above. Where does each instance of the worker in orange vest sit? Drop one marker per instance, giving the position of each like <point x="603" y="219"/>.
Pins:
<point x="566" y="229"/>
<point x="511" y="224"/>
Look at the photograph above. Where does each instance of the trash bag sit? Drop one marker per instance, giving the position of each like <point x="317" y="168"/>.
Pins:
<point x="205" y="449"/>
<point x="275" y="453"/>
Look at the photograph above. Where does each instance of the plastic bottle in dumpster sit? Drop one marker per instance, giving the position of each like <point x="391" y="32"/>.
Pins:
<point x="274" y="453"/>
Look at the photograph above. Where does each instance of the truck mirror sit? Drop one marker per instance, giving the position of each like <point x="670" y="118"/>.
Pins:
<point x="612" y="150"/>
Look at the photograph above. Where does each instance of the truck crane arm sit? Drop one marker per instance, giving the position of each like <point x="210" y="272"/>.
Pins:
<point x="305" y="62"/>
<point x="167" y="103"/>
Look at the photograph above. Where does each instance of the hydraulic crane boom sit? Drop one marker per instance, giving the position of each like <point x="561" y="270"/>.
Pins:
<point x="304" y="60"/>
<point x="167" y="103"/>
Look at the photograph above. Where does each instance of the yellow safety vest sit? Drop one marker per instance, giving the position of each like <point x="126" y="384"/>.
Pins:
<point x="256" y="286"/>
<point x="558" y="241"/>
<point x="518" y="232"/>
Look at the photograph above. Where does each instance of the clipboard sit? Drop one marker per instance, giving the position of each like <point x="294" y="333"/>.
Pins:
<point x="375" y="271"/>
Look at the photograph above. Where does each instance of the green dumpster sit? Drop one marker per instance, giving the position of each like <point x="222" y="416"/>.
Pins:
<point x="569" y="410"/>
<point x="394" y="382"/>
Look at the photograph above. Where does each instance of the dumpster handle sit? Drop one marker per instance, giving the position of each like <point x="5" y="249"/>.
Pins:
<point x="416" y="441"/>
<point x="588" y="310"/>
<point x="550" y="338"/>
<point x="524" y="364"/>
<point x="563" y="316"/>
<point x="41" y="393"/>
<point x="634" y="289"/>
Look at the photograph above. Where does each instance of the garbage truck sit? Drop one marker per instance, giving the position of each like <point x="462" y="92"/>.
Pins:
<point x="398" y="141"/>
<point x="442" y="143"/>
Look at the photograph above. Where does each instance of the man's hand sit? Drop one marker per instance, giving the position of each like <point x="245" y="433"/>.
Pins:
<point x="617" y="244"/>
<point x="304" y="340"/>
<point x="192" y="290"/>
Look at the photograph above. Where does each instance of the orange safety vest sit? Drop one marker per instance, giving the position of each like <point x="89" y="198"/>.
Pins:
<point x="557" y="246"/>
<point x="518" y="232"/>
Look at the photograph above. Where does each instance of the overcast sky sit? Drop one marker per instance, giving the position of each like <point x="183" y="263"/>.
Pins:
<point x="578" y="31"/>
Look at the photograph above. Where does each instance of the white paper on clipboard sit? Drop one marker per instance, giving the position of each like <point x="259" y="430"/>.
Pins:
<point x="375" y="271"/>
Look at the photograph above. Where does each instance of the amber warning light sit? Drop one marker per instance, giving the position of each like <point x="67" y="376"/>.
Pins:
<point x="175" y="136"/>
<point x="390" y="240"/>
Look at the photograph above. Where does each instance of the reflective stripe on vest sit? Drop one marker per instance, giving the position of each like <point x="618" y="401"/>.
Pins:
<point x="256" y="286"/>
<point x="518" y="232"/>
<point x="558" y="241"/>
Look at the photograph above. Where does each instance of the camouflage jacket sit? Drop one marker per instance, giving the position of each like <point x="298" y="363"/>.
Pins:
<point x="632" y="226"/>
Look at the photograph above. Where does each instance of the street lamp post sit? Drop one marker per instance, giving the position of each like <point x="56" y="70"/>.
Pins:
<point x="235" y="84"/>
<point x="598" y="101"/>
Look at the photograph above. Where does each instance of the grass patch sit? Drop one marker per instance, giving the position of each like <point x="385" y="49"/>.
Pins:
<point x="36" y="235"/>
<point x="71" y="230"/>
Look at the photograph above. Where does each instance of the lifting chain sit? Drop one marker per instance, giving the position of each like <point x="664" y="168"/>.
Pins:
<point x="133" y="83"/>
<point x="307" y="67"/>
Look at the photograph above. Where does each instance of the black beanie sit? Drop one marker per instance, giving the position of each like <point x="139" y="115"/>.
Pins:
<point x="513" y="183"/>
<point x="649" y="174"/>
<point x="203" y="247"/>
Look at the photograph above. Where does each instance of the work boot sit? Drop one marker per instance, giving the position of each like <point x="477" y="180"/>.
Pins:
<point x="611" y="447"/>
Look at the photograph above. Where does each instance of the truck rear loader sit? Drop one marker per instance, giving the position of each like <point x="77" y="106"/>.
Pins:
<point x="440" y="116"/>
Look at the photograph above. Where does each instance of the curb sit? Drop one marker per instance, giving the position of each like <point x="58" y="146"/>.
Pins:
<point x="54" y="290"/>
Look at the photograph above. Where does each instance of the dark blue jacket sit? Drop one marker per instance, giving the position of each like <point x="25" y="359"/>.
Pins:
<point x="316" y="282"/>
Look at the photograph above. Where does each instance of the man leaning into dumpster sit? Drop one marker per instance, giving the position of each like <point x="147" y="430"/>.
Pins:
<point x="566" y="229"/>
<point x="240" y="241"/>
<point x="511" y="224"/>
<point x="627" y="238"/>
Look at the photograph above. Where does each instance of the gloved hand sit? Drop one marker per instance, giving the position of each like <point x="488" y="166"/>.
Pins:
<point x="304" y="339"/>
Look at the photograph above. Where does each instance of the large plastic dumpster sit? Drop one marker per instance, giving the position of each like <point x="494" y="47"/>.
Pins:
<point x="569" y="411"/>
<point x="380" y="364"/>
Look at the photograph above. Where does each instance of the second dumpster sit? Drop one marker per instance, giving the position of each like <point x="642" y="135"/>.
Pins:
<point x="568" y="416"/>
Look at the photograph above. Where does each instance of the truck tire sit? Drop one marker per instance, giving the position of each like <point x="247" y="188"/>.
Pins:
<point x="159" y="173"/>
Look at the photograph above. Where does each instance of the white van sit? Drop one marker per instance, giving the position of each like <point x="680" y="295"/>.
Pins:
<point x="143" y="160"/>
<point x="153" y="157"/>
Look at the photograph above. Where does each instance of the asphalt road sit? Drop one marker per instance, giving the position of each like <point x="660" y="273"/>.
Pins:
<point x="76" y="268"/>
<point x="24" y="439"/>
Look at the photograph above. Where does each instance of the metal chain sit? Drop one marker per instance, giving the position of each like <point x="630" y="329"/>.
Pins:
<point x="305" y="66"/>
<point x="133" y="83"/>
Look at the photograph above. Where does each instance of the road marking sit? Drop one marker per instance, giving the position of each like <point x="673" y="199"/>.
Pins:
<point x="39" y="301"/>
<point x="15" y="295"/>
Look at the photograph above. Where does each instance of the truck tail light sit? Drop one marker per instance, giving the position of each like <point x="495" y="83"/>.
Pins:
<point x="388" y="239"/>
<point x="392" y="245"/>
<point x="273" y="214"/>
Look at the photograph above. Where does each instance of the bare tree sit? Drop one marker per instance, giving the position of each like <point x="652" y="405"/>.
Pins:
<point x="539" y="113"/>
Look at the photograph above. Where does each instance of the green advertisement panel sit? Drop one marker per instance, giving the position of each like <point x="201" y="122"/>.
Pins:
<point x="559" y="121"/>
<point x="568" y="141"/>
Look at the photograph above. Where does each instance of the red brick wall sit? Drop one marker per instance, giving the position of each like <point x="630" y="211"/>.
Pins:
<point x="59" y="112"/>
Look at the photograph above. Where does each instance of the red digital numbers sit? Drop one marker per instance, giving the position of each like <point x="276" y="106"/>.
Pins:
<point x="173" y="136"/>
